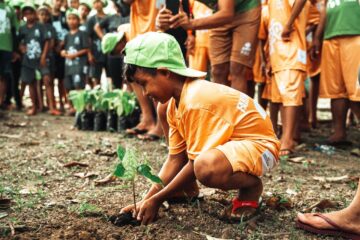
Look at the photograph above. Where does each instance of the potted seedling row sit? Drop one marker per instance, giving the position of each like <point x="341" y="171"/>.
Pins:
<point x="129" y="168"/>
<point x="99" y="111"/>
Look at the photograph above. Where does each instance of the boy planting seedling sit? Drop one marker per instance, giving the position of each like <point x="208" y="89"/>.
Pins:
<point x="218" y="135"/>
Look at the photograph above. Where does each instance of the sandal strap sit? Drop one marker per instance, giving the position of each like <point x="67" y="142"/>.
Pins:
<point x="236" y="203"/>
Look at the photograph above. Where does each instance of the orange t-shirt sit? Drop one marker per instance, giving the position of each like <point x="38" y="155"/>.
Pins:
<point x="210" y="114"/>
<point x="200" y="10"/>
<point x="290" y="54"/>
<point x="142" y="17"/>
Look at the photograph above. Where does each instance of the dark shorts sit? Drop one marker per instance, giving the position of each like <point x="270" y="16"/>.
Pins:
<point x="115" y="65"/>
<point x="5" y="62"/>
<point x="59" y="67"/>
<point x="50" y="67"/>
<point x="76" y="81"/>
<point x="28" y="75"/>
<point x="95" y="70"/>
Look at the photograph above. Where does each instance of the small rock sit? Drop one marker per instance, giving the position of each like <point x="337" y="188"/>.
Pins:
<point x="227" y="233"/>
<point x="83" y="235"/>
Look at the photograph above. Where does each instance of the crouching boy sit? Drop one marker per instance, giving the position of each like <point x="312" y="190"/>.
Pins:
<point x="218" y="135"/>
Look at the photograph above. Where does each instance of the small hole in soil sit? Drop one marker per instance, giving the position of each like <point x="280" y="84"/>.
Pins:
<point x="124" y="219"/>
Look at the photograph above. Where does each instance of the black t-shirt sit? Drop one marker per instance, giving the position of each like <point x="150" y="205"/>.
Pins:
<point x="73" y="44"/>
<point x="33" y="38"/>
<point x="111" y="23"/>
<point x="94" y="38"/>
<point x="60" y="25"/>
<point x="179" y="34"/>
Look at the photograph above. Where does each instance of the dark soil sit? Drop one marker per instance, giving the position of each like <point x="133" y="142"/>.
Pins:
<point x="50" y="202"/>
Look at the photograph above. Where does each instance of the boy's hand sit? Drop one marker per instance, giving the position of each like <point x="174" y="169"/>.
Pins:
<point x="163" y="19"/>
<point x="63" y="53"/>
<point x="22" y="49"/>
<point x="181" y="19"/>
<point x="42" y="62"/>
<point x="315" y="49"/>
<point x="285" y="35"/>
<point x="131" y="208"/>
<point x="148" y="211"/>
<point x="92" y="60"/>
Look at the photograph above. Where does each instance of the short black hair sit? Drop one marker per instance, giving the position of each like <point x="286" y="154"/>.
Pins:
<point x="129" y="71"/>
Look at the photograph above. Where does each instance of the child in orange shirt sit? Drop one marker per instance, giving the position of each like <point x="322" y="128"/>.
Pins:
<point x="288" y="63"/>
<point x="217" y="135"/>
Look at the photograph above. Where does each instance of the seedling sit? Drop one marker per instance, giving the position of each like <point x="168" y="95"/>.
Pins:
<point x="129" y="168"/>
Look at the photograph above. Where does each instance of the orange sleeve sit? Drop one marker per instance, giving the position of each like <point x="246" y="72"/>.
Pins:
<point x="176" y="141"/>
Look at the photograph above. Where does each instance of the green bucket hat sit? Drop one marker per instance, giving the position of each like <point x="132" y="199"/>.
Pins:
<point x="28" y="5"/>
<point x="16" y="3"/>
<point x="72" y="11"/>
<point x="110" y="40"/>
<point x="158" y="50"/>
<point x="86" y="4"/>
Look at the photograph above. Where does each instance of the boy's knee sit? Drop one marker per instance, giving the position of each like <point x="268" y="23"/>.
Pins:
<point x="204" y="169"/>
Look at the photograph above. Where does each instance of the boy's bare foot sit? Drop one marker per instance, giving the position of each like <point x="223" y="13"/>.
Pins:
<point x="142" y="127"/>
<point x="55" y="112"/>
<point x="31" y="112"/>
<point x="153" y="134"/>
<point x="336" y="138"/>
<point x="345" y="219"/>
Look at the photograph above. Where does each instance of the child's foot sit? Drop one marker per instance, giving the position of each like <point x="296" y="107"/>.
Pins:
<point x="55" y="112"/>
<point x="31" y="112"/>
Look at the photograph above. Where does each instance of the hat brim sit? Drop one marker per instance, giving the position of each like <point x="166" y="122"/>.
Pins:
<point x="188" y="72"/>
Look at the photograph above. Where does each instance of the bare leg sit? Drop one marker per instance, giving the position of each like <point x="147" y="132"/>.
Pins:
<point x="39" y="98"/>
<point x="263" y="102"/>
<point x="348" y="219"/>
<point x="313" y="98"/>
<point x="274" y="113"/>
<point x="355" y="108"/>
<point x="147" y="118"/>
<point x="289" y="118"/>
<point x="2" y="90"/>
<point x="238" y="77"/>
<point x="339" y="109"/>
<point x="220" y="73"/>
<point x="32" y="90"/>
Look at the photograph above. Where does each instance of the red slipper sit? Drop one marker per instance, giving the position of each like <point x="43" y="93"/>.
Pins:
<point x="230" y="214"/>
<point x="337" y="231"/>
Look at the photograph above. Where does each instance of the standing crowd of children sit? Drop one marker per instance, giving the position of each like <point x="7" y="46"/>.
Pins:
<point x="52" y="41"/>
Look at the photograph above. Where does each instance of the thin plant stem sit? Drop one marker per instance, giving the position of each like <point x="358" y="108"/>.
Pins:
<point x="134" y="196"/>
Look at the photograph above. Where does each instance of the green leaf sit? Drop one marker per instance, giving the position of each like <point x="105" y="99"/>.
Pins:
<point x="130" y="163"/>
<point x="120" y="152"/>
<point x="145" y="171"/>
<point x="119" y="171"/>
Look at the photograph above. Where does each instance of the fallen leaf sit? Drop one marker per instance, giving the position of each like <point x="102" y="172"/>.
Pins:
<point x="323" y="204"/>
<point x="279" y="203"/>
<point x="15" y="125"/>
<point x="28" y="190"/>
<point x="12" y="136"/>
<point x="85" y="174"/>
<point x="28" y="144"/>
<point x="355" y="152"/>
<point x="208" y="191"/>
<point x="109" y="178"/>
<point x="297" y="159"/>
<point x="3" y="214"/>
<point x="73" y="164"/>
<point x="332" y="179"/>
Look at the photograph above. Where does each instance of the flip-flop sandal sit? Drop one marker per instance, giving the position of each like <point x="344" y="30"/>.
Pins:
<point x="148" y="137"/>
<point x="288" y="154"/>
<point x="135" y="131"/>
<point x="337" y="231"/>
<point x="233" y="217"/>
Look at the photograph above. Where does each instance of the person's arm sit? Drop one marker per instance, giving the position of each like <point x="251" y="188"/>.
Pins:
<point x="295" y="11"/>
<point x="44" y="53"/>
<point x="224" y="15"/>
<point x="98" y="30"/>
<point x="317" y="39"/>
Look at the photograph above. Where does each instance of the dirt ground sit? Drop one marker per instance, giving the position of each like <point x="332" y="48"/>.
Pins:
<point x="50" y="202"/>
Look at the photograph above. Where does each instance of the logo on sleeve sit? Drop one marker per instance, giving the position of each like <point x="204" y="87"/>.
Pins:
<point x="243" y="102"/>
<point x="246" y="49"/>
